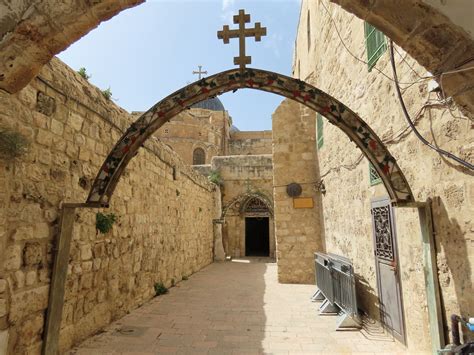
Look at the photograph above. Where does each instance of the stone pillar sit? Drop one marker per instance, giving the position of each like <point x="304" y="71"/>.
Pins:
<point x="298" y="231"/>
<point x="219" y="254"/>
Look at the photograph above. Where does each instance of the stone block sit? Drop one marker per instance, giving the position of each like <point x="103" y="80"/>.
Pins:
<point x="45" y="104"/>
<point x="31" y="277"/>
<point x="33" y="253"/>
<point x="57" y="127"/>
<point x="75" y="121"/>
<point x="22" y="233"/>
<point x="19" y="279"/>
<point x="86" y="252"/>
<point x="3" y="307"/>
<point x="27" y="302"/>
<point x="13" y="257"/>
<point x="3" y="285"/>
<point x="44" y="138"/>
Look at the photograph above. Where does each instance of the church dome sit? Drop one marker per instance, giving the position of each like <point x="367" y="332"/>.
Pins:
<point x="213" y="104"/>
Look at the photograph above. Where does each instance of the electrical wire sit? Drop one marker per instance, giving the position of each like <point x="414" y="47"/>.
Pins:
<point x="359" y="59"/>
<point x="412" y="126"/>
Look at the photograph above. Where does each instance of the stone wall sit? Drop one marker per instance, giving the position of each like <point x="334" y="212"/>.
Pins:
<point x="197" y="128"/>
<point x="298" y="230"/>
<point x="250" y="142"/>
<point x="164" y="213"/>
<point x="242" y="175"/>
<point x="347" y="220"/>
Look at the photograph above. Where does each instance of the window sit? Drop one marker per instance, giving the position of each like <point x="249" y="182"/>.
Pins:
<point x="199" y="157"/>
<point x="375" y="43"/>
<point x="308" y="30"/>
<point x="374" y="176"/>
<point x="319" y="130"/>
<point x="167" y="131"/>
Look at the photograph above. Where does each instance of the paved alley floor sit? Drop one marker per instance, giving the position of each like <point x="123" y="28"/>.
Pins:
<point x="235" y="307"/>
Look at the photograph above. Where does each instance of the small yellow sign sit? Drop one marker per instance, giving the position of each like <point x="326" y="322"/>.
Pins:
<point x="303" y="202"/>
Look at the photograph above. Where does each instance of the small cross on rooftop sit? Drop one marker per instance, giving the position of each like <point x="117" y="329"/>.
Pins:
<point x="199" y="72"/>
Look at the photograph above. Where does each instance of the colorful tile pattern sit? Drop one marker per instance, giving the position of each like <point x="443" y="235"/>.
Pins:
<point x="334" y="111"/>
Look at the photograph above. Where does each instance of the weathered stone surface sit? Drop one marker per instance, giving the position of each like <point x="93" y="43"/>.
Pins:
<point x="298" y="231"/>
<point x="13" y="257"/>
<point x="243" y="175"/>
<point x="33" y="253"/>
<point x="28" y="302"/>
<point x="156" y="238"/>
<point x="45" y="104"/>
<point x="31" y="34"/>
<point x="347" y="202"/>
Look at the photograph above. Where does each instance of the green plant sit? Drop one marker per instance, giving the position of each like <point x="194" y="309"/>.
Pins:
<point x="160" y="289"/>
<point x="215" y="177"/>
<point x="104" y="222"/>
<point x="82" y="72"/>
<point x="107" y="93"/>
<point x="12" y="144"/>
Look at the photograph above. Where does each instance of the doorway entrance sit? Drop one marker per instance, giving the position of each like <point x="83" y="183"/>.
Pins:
<point x="257" y="236"/>
<point x="387" y="269"/>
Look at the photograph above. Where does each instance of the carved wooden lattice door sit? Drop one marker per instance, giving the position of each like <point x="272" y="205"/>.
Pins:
<point x="386" y="261"/>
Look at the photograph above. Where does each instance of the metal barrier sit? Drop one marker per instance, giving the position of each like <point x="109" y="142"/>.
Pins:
<point x="335" y="280"/>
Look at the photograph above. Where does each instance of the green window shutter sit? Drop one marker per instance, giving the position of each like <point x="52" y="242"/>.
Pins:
<point x="319" y="130"/>
<point x="375" y="43"/>
<point x="374" y="176"/>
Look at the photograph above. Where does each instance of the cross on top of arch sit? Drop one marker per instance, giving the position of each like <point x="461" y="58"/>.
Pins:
<point x="241" y="33"/>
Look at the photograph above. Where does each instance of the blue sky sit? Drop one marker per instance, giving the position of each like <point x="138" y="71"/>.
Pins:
<point x="147" y="52"/>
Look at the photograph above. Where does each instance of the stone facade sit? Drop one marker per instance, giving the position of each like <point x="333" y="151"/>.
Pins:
<point x="164" y="210"/>
<point x="197" y="128"/>
<point x="298" y="230"/>
<point x="323" y="61"/>
<point x="244" y="177"/>
<point x="250" y="142"/>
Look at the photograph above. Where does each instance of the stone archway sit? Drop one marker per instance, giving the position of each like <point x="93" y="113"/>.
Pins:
<point x="336" y="112"/>
<point x="33" y="33"/>
<point x="249" y="217"/>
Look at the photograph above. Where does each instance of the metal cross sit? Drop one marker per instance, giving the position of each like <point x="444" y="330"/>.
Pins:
<point x="242" y="18"/>
<point x="199" y="72"/>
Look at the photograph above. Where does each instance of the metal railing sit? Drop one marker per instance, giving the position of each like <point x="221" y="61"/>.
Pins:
<point x="335" y="280"/>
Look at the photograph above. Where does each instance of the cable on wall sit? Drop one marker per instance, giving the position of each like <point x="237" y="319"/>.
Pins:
<point x="412" y="126"/>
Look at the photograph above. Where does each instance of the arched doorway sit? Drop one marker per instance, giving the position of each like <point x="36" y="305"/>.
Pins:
<point x="257" y="227"/>
<point x="249" y="225"/>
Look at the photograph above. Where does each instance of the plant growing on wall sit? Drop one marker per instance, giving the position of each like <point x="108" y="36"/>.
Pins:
<point x="104" y="222"/>
<point x="107" y="93"/>
<point x="82" y="72"/>
<point x="215" y="177"/>
<point x="160" y="289"/>
<point x="12" y="144"/>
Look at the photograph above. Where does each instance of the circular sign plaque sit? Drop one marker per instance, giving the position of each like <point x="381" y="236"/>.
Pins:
<point x="294" y="189"/>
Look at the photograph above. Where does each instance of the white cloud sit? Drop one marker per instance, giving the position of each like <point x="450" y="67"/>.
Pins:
<point x="226" y="4"/>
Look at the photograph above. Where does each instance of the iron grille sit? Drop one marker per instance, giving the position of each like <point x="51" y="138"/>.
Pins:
<point x="383" y="233"/>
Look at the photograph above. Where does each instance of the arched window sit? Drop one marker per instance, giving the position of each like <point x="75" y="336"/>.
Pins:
<point x="199" y="157"/>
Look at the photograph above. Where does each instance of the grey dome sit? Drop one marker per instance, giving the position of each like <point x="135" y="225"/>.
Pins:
<point x="234" y="129"/>
<point x="213" y="104"/>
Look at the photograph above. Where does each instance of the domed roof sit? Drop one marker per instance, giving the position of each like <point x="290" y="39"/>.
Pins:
<point x="213" y="104"/>
<point x="234" y="129"/>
